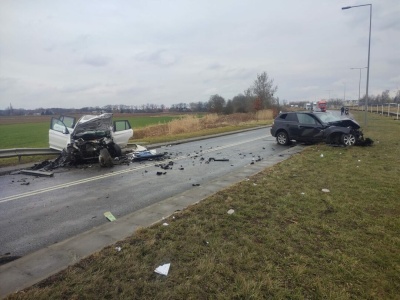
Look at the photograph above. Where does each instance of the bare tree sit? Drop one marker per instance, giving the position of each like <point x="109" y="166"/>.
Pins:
<point x="264" y="89"/>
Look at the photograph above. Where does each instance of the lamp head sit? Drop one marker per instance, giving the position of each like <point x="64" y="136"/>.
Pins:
<point x="346" y="7"/>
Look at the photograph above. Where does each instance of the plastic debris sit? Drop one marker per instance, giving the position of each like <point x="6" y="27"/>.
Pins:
<point x="118" y="249"/>
<point x="231" y="211"/>
<point x="163" y="269"/>
<point x="325" y="190"/>
<point x="322" y="155"/>
<point x="165" y="224"/>
<point x="109" y="216"/>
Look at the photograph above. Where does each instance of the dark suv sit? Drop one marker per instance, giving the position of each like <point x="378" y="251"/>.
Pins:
<point x="313" y="127"/>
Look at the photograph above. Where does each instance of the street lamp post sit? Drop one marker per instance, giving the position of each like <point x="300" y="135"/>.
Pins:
<point x="359" y="82"/>
<point x="369" y="51"/>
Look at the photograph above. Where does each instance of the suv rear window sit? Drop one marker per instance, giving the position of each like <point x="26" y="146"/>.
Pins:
<point x="292" y="117"/>
<point x="282" y="116"/>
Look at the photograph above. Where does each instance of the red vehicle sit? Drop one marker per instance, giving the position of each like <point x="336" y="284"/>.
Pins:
<point x="321" y="105"/>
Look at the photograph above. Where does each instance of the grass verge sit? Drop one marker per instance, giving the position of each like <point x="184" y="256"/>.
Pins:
<point x="286" y="238"/>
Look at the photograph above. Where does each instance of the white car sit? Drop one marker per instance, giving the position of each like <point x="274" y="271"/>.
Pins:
<point x="92" y="136"/>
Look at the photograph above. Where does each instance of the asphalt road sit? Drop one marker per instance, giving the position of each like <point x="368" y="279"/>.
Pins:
<point x="36" y="212"/>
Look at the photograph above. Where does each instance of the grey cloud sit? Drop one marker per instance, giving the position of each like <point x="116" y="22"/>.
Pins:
<point x="160" y="57"/>
<point x="76" y="88"/>
<point x="96" y="61"/>
<point x="215" y="66"/>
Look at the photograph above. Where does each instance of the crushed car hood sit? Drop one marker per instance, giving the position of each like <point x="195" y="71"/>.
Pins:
<point x="345" y="123"/>
<point x="91" y="123"/>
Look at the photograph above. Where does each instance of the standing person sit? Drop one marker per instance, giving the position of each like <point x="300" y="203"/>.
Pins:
<point x="342" y="110"/>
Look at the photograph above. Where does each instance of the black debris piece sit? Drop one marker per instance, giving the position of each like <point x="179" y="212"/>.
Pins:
<point x="365" y="142"/>
<point x="217" y="159"/>
<point x="196" y="184"/>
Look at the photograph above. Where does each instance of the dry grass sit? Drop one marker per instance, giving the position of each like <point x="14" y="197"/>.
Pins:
<point x="191" y="123"/>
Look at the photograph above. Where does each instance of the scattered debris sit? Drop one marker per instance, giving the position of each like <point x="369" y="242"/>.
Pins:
<point x="322" y="155"/>
<point x="326" y="190"/>
<point x="230" y="212"/>
<point x="165" y="224"/>
<point x="366" y="142"/>
<point x="109" y="216"/>
<point x="196" y="184"/>
<point x="118" y="249"/>
<point x="163" y="269"/>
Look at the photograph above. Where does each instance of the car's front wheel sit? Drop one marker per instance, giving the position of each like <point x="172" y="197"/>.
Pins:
<point x="348" y="139"/>
<point x="282" y="138"/>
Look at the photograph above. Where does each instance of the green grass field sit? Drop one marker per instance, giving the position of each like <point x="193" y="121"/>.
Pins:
<point x="23" y="134"/>
<point x="287" y="239"/>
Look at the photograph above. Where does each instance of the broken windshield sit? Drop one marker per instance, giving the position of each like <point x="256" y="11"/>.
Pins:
<point x="327" y="117"/>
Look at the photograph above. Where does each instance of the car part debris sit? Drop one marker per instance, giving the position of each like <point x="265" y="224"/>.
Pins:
<point x="217" y="159"/>
<point x="325" y="190"/>
<point x="147" y="155"/>
<point x="109" y="216"/>
<point x="230" y="212"/>
<point x="163" y="269"/>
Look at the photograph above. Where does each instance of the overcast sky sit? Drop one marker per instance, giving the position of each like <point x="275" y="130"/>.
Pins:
<point x="73" y="54"/>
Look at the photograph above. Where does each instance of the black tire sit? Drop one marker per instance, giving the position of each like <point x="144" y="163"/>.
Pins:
<point x="348" y="139"/>
<point x="115" y="150"/>
<point x="282" y="138"/>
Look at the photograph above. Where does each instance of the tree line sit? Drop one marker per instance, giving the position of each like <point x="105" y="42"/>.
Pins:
<point x="258" y="96"/>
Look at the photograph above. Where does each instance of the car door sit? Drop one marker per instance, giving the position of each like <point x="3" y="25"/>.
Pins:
<point x="309" y="128"/>
<point x="59" y="133"/>
<point x="122" y="132"/>
<point x="292" y="125"/>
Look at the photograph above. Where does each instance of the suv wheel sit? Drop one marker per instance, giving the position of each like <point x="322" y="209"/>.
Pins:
<point x="282" y="138"/>
<point x="348" y="139"/>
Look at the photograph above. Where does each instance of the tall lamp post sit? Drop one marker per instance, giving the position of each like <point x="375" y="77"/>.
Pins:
<point x="359" y="82"/>
<point x="369" y="50"/>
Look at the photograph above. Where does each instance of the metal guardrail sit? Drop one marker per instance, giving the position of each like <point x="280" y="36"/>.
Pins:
<point x="19" y="152"/>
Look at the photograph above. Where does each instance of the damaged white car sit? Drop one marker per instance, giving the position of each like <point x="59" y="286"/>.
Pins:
<point x="91" y="137"/>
